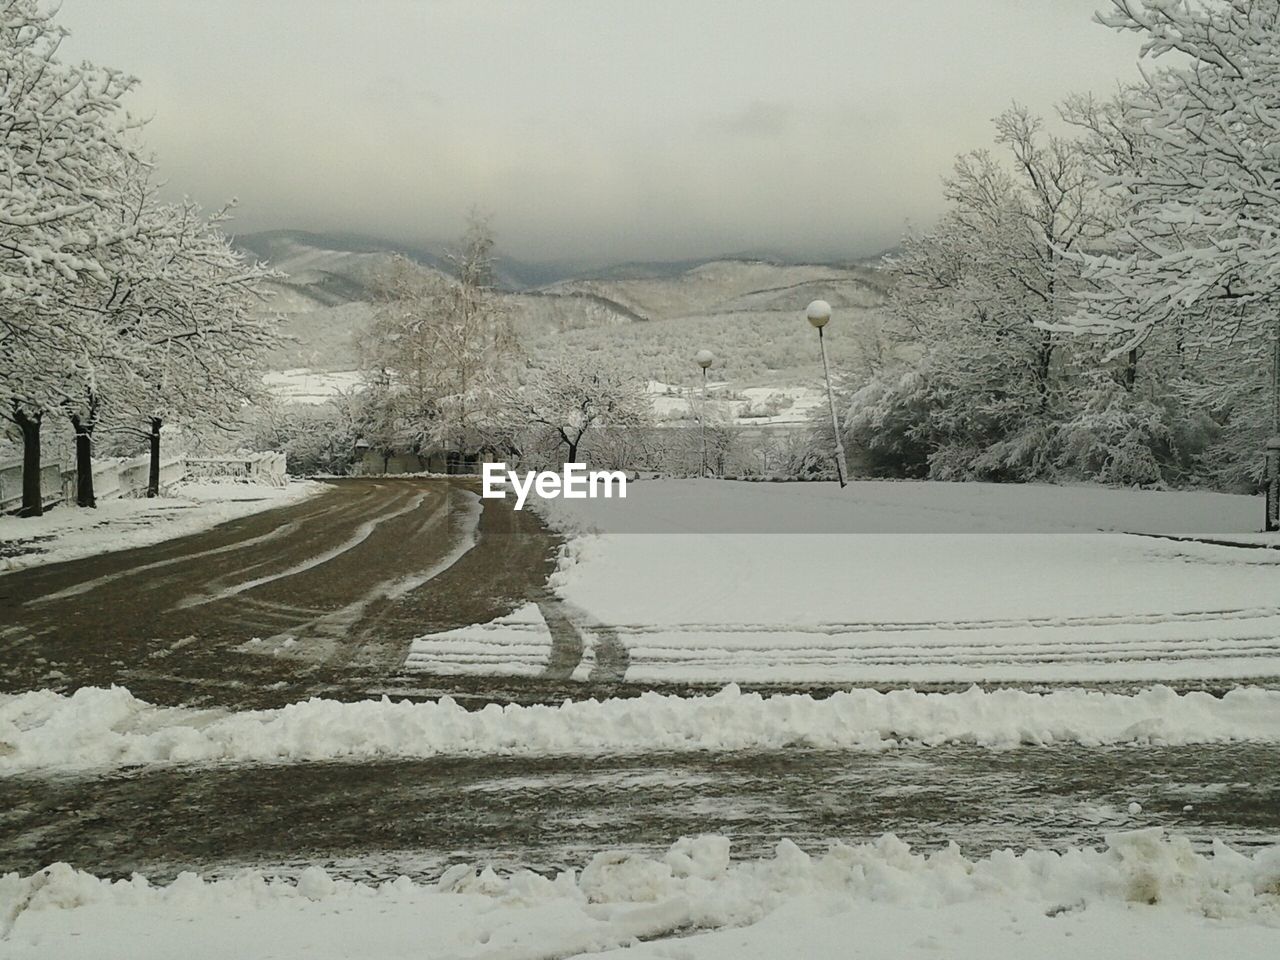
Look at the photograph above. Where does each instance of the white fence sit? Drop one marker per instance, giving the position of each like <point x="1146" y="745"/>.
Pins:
<point x="128" y="477"/>
<point x="51" y="484"/>
<point x="266" y="468"/>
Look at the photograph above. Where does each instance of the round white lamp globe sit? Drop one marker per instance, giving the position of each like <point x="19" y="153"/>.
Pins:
<point x="818" y="312"/>
<point x="704" y="358"/>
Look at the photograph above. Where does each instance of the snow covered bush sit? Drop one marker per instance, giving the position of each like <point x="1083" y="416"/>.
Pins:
<point x="886" y="426"/>
<point x="1236" y="417"/>
<point x="316" y="438"/>
<point x="1119" y="438"/>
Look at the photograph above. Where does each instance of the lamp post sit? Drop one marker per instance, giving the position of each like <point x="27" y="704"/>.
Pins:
<point x="819" y="314"/>
<point x="704" y="359"/>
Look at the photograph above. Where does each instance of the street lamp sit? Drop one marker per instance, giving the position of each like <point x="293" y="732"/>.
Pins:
<point x="704" y="359"/>
<point x="819" y="315"/>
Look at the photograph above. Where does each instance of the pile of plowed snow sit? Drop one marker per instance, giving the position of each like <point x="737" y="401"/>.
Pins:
<point x="1142" y="893"/>
<point x="110" y="727"/>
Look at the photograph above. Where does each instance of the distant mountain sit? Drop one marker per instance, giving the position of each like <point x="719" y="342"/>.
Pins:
<point x="879" y="260"/>
<point x="348" y="253"/>
<point x="727" y="286"/>
<point x="326" y="293"/>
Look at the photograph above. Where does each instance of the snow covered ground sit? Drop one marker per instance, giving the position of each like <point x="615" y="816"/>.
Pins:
<point x="67" y="532"/>
<point x="1143" y="895"/>
<point x="97" y="728"/>
<point x="302" y="385"/>
<point x="783" y="403"/>
<point x="868" y="602"/>
<point x="718" y="582"/>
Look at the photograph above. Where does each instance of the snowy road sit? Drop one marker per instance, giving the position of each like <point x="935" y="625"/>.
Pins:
<point x="417" y="588"/>
<point x="321" y="597"/>
<point x="381" y="819"/>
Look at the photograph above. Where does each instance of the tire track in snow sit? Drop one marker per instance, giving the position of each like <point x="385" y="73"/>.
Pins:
<point x="282" y="531"/>
<point x="327" y="638"/>
<point x="894" y="626"/>
<point x="584" y="649"/>
<point x="362" y="533"/>
<point x="307" y="518"/>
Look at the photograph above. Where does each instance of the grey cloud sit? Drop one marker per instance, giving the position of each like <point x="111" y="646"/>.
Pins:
<point x="761" y="118"/>
<point x="607" y="129"/>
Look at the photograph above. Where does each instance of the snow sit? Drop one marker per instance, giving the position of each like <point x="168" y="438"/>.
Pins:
<point x="755" y="406"/>
<point x="101" y="728"/>
<point x="903" y="583"/>
<point x="303" y="385"/>
<point x="67" y="532"/>
<point x="518" y="644"/>
<point x="886" y="506"/>
<point x="1143" y="895"/>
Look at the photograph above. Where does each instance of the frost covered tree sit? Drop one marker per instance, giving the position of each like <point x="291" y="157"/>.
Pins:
<point x="103" y="310"/>
<point x="441" y="349"/>
<point x="1195" y="259"/>
<point x="63" y="130"/>
<point x="573" y="395"/>
<point x="169" y="328"/>
<point x="112" y="304"/>
<point x="981" y="294"/>
<point x="197" y="329"/>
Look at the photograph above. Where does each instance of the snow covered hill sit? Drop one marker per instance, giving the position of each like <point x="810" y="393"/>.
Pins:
<point x="651" y="317"/>
<point x="720" y="286"/>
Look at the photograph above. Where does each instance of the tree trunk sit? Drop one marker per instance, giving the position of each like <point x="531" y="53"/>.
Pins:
<point x="153" y="473"/>
<point x="1131" y="370"/>
<point x="32" y="496"/>
<point x="84" y="462"/>
<point x="573" y="451"/>
<point x="1044" y="366"/>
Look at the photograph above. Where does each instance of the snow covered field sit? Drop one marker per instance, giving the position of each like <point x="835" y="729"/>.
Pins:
<point x="67" y="532"/>
<point x="718" y="582"/>
<point x="783" y="403"/>
<point x="302" y="385"/>
<point x="1143" y="895"/>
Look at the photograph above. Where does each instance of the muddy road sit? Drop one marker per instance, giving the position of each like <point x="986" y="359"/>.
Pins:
<point x="319" y="598"/>
<point x="377" y="820"/>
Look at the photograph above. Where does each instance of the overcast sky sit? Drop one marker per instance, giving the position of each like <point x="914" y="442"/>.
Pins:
<point x="599" y="129"/>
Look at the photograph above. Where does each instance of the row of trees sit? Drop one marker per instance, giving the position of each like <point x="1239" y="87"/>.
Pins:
<point x="118" y="311"/>
<point x="1103" y="304"/>
<point x="322" y="438"/>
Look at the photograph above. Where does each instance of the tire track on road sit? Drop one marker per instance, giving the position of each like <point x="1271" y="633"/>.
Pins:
<point x="362" y="533"/>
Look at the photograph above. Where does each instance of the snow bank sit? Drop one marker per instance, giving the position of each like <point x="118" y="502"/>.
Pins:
<point x="1141" y="891"/>
<point x="97" y="727"/>
<point x="312" y="387"/>
<point x="68" y="533"/>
